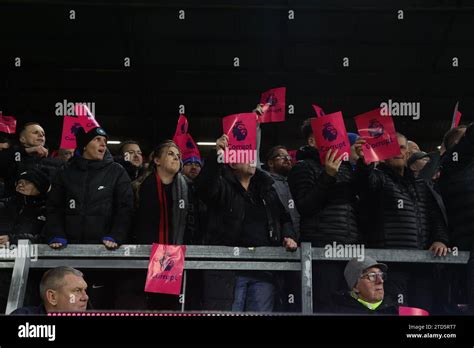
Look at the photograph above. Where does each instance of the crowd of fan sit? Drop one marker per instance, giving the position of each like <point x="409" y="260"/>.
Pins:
<point x="414" y="201"/>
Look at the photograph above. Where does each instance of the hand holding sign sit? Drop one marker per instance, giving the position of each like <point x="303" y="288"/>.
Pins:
<point x="222" y="142"/>
<point x="358" y="147"/>
<point x="332" y="163"/>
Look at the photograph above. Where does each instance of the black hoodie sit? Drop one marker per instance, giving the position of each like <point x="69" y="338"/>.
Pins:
<point x="327" y="205"/>
<point x="90" y="200"/>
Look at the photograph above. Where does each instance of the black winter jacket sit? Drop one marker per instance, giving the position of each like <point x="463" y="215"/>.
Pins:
<point x="28" y="214"/>
<point x="147" y="218"/>
<point x="15" y="160"/>
<point x="327" y="205"/>
<point x="226" y="199"/>
<point x="400" y="212"/>
<point x="90" y="200"/>
<point x="346" y="304"/>
<point x="456" y="187"/>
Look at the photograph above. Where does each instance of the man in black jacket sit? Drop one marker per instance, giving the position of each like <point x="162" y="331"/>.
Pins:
<point x="31" y="153"/>
<point x="402" y="212"/>
<point x="455" y="185"/>
<point x="27" y="208"/>
<point x="244" y="210"/>
<point x="91" y="202"/>
<point x="62" y="289"/>
<point x="365" y="280"/>
<point x="326" y="199"/>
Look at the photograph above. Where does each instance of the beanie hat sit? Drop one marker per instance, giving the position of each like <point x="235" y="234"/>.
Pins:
<point x="37" y="177"/>
<point x="192" y="159"/>
<point x="83" y="138"/>
<point x="353" y="137"/>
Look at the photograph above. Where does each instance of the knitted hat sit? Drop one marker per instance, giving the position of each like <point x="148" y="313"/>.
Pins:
<point x="83" y="138"/>
<point x="37" y="177"/>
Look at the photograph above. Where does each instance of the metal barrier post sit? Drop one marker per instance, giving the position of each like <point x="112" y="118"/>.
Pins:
<point x="21" y="269"/>
<point x="306" y="279"/>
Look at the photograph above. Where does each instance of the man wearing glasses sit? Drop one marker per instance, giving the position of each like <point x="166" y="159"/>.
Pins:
<point x="279" y="165"/>
<point x="365" y="280"/>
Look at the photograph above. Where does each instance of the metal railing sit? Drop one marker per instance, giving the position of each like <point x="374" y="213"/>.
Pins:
<point x="197" y="257"/>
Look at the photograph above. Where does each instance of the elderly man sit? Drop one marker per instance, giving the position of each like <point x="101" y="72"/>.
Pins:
<point x="62" y="289"/>
<point x="365" y="280"/>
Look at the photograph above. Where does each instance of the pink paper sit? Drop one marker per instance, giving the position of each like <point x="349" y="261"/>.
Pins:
<point x="319" y="111"/>
<point x="379" y="134"/>
<point x="412" y="311"/>
<point x="184" y="140"/>
<point x="85" y="117"/>
<point x="330" y="133"/>
<point x="7" y="124"/>
<point x="242" y="132"/>
<point x="165" y="270"/>
<point x="274" y="105"/>
<point x="68" y="137"/>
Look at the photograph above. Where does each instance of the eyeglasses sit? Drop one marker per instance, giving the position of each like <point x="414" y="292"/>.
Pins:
<point x="372" y="276"/>
<point x="287" y="157"/>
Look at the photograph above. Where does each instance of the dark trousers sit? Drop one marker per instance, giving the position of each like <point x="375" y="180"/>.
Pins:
<point x="253" y="293"/>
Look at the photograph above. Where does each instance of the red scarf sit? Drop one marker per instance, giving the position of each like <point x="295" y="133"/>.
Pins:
<point x="163" y="232"/>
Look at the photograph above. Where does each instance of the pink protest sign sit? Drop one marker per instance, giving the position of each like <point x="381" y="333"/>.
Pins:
<point x="379" y="134"/>
<point x="7" y="124"/>
<point x="330" y="133"/>
<point x="85" y="117"/>
<point x="274" y="105"/>
<point x="183" y="139"/>
<point x="242" y="132"/>
<point x="165" y="270"/>
<point x="412" y="311"/>
<point x="68" y="137"/>
<point x="456" y="117"/>
<point x="319" y="111"/>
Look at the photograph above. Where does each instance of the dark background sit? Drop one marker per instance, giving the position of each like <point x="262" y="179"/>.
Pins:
<point x="190" y="62"/>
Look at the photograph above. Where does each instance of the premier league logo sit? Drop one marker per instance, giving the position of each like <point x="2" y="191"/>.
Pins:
<point x="166" y="262"/>
<point x="271" y="100"/>
<point x="375" y="128"/>
<point x="329" y="132"/>
<point x="189" y="144"/>
<point x="239" y="131"/>
<point x="75" y="127"/>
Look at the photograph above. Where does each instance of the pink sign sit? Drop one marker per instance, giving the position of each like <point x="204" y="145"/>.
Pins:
<point x="165" y="270"/>
<point x="7" y="124"/>
<point x="379" y="134"/>
<point x="85" y="117"/>
<point x="319" y="111"/>
<point x="330" y="134"/>
<point x="183" y="139"/>
<point x="412" y="311"/>
<point x="456" y="117"/>
<point x="68" y="137"/>
<point x="242" y="132"/>
<point x="274" y="105"/>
